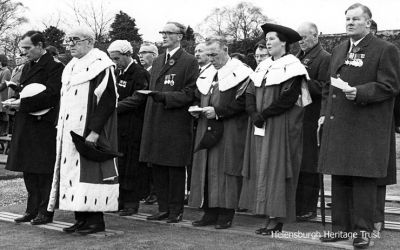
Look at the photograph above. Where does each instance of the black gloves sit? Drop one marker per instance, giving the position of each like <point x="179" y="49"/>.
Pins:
<point x="257" y="120"/>
<point x="157" y="96"/>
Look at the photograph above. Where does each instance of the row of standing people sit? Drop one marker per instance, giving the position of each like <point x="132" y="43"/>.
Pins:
<point x="251" y="162"/>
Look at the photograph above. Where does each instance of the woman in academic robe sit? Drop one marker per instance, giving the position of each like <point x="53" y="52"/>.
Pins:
<point x="274" y="101"/>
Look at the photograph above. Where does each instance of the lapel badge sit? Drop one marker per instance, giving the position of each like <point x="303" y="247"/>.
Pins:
<point x="171" y="62"/>
<point x="306" y="61"/>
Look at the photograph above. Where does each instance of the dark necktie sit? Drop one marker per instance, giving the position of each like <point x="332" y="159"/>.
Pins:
<point x="168" y="57"/>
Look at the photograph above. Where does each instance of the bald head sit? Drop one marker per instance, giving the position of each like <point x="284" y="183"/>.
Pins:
<point x="309" y="34"/>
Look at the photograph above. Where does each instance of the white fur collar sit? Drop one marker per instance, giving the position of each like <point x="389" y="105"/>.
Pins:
<point x="278" y="71"/>
<point x="229" y="76"/>
<point x="84" y="69"/>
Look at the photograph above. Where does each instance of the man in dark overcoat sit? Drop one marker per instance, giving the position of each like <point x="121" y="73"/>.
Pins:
<point x="316" y="61"/>
<point x="168" y="126"/>
<point x="358" y="137"/>
<point x="133" y="180"/>
<point x="33" y="144"/>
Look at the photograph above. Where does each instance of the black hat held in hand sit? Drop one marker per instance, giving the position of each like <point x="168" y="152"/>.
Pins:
<point x="213" y="134"/>
<point x="92" y="152"/>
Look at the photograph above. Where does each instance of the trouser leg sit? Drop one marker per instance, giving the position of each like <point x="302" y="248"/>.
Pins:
<point x="210" y="213"/>
<point x="44" y="186"/>
<point x="380" y="204"/>
<point x="31" y="184"/>
<point x="364" y="203"/>
<point x="341" y="200"/>
<point x="161" y="186"/>
<point x="176" y="194"/>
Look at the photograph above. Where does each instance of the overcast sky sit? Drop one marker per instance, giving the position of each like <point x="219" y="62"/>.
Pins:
<point x="152" y="15"/>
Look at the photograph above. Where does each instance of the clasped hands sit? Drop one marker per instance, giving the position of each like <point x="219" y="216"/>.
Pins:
<point x="12" y="103"/>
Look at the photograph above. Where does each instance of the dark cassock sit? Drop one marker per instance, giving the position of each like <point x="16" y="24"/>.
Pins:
<point x="273" y="152"/>
<point x="316" y="61"/>
<point x="168" y="129"/>
<point x="358" y="142"/>
<point x="133" y="175"/>
<point x="88" y="103"/>
<point x="33" y="144"/>
<point x="216" y="172"/>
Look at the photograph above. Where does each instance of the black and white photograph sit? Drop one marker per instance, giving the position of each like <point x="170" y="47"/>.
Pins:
<point x="182" y="124"/>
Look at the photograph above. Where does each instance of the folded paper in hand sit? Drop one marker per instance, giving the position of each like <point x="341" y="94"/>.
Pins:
<point x="195" y="109"/>
<point x="339" y="83"/>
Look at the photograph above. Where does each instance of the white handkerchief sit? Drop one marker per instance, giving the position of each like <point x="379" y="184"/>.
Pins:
<point x="339" y="83"/>
<point x="259" y="131"/>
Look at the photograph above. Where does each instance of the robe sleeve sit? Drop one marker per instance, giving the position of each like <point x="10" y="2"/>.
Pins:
<point x="286" y="100"/>
<point x="135" y="100"/>
<point x="237" y="105"/>
<point x="105" y="106"/>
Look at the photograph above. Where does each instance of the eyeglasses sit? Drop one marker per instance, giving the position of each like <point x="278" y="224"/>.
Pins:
<point x="72" y="41"/>
<point x="260" y="56"/>
<point x="168" y="33"/>
<point x="145" y="52"/>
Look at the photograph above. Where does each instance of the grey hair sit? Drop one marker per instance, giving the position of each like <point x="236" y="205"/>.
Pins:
<point x="222" y="42"/>
<point x="364" y="8"/>
<point x="83" y="33"/>
<point x="181" y="27"/>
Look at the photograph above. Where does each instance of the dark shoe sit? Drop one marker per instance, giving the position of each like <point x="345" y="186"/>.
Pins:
<point x="91" y="229"/>
<point x="158" y="216"/>
<point x="333" y="238"/>
<point x="74" y="227"/>
<point x="361" y="242"/>
<point x="175" y="219"/>
<point x="151" y="199"/>
<point x="306" y="217"/>
<point x="128" y="211"/>
<point x="203" y="223"/>
<point x="223" y="225"/>
<point x="42" y="219"/>
<point x="276" y="229"/>
<point x="25" y="218"/>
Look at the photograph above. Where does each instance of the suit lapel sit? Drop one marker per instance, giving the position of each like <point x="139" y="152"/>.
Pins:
<point x="29" y="70"/>
<point x="363" y="43"/>
<point x="341" y="57"/>
<point x="171" y="62"/>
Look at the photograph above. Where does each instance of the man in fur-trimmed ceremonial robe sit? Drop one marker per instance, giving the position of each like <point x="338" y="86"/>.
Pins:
<point x="88" y="108"/>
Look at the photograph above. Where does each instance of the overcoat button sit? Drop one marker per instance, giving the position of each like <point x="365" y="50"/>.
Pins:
<point x="333" y="96"/>
<point x="331" y="117"/>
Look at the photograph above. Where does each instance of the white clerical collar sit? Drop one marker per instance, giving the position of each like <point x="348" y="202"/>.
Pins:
<point x="126" y="69"/>
<point x="149" y="68"/>
<point x="172" y="52"/>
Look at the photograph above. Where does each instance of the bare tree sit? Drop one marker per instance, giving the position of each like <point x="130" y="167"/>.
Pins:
<point x="93" y="15"/>
<point x="55" y="20"/>
<point x="9" y="44"/>
<point x="237" y="23"/>
<point x="10" y="15"/>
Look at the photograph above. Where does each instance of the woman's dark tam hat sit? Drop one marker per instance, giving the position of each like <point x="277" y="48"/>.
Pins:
<point x="290" y="34"/>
